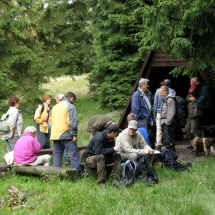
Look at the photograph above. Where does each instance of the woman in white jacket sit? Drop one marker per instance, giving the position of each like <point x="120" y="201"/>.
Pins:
<point x="15" y="123"/>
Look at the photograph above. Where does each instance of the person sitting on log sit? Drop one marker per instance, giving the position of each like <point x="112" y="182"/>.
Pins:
<point x="26" y="149"/>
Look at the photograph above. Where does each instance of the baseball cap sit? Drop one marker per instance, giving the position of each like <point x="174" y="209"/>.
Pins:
<point x="133" y="124"/>
<point x="113" y="128"/>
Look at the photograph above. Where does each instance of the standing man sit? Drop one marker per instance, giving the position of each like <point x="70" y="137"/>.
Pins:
<point x="98" y="123"/>
<point x="157" y="107"/>
<point x="102" y="150"/>
<point x="64" y="131"/>
<point x="141" y="105"/>
<point x="167" y="118"/>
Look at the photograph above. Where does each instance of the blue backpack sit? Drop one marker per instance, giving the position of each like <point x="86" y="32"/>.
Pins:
<point x="129" y="172"/>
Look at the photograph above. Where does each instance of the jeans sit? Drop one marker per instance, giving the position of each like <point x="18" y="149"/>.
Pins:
<point x="72" y="149"/>
<point x="43" y="138"/>
<point x="99" y="162"/>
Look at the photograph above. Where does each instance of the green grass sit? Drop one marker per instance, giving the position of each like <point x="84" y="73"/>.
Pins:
<point x="180" y="193"/>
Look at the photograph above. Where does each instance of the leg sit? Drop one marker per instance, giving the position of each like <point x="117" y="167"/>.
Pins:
<point x="158" y="130"/>
<point x="73" y="151"/>
<point x="58" y="149"/>
<point x="97" y="161"/>
<point x="47" y="145"/>
<point x="194" y="125"/>
<point x="41" y="137"/>
<point x="166" y="137"/>
<point x="41" y="160"/>
<point x="130" y="156"/>
<point x="11" y="143"/>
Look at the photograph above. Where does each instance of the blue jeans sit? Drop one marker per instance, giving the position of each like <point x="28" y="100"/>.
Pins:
<point x="72" y="149"/>
<point x="43" y="138"/>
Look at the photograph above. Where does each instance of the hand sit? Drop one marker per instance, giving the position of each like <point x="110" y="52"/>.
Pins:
<point x="151" y="152"/>
<point x="117" y="148"/>
<point x="192" y="99"/>
<point x="75" y="139"/>
<point x="12" y="133"/>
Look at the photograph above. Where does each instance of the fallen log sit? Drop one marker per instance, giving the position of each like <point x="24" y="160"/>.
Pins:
<point x="46" y="170"/>
<point x="50" y="151"/>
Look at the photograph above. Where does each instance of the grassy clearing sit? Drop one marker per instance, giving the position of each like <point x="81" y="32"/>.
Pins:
<point x="179" y="193"/>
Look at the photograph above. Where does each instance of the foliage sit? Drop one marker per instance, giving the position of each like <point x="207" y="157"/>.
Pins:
<point x="184" y="29"/>
<point x="117" y="61"/>
<point x="38" y="42"/>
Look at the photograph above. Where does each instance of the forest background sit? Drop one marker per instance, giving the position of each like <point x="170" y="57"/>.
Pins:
<point x="41" y="39"/>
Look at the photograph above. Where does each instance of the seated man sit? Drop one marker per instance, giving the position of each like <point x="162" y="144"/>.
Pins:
<point x="26" y="149"/>
<point x="101" y="151"/>
<point x="133" y="144"/>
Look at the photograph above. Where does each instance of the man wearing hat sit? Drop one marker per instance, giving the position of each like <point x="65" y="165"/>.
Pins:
<point x="102" y="150"/>
<point x="133" y="143"/>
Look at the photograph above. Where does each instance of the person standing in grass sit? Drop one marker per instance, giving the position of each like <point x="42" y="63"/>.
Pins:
<point x="101" y="151"/>
<point x="64" y="131"/>
<point x="98" y="123"/>
<point x="41" y="118"/>
<point x="26" y="149"/>
<point x="15" y="123"/>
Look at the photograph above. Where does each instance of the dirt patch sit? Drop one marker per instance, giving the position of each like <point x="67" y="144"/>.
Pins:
<point x="187" y="155"/>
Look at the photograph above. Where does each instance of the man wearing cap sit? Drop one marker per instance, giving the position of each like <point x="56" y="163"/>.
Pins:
<point x="102" y="150"/>
<point x="98" y="123"/>
<point x="133" y="143"/>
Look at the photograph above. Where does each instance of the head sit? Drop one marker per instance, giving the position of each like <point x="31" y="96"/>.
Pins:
<point x="13" y="101"/>
<point x="144" y="84"/>
<point x="47" y="99"/>
<point x="113" y="130"/>
<point x="59" y="97"/>
<point x="194" y="80"/>
<point x="71" y="96"/>
<point x="166" y="82"/>
<point x="131" y="116"/>
<point x="164" y="91"/>
<point x="31" y="130"/>
<point x="132" y="127"/>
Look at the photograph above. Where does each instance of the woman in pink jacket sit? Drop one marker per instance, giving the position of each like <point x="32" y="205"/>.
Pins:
<point x="26" y="149"/>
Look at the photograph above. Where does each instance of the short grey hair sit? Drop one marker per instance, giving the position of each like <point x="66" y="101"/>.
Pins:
<point x="143" y="81"/>
<point x="30" y="129"/>
<point x="195" y="79"/>
<point x="59" y="97"/>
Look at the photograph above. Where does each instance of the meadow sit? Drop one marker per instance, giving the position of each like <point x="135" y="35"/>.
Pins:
<point x="182" y="193"/>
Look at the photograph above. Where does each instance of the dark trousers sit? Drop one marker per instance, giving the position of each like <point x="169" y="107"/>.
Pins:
<point x="169" y="136"/>
<point x="43" y="138"/>
<point x="99" y="162"/>
<point x="72" y="149"/>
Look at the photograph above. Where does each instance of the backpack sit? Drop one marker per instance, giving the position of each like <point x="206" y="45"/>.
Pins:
<point x="180" y="110"/>
<point x="146" y="171"/>
<point x="169" y="159"/>
<point x="129" y="172"/>
<point x="43" y="107"/>
<point x="4" y="126"/>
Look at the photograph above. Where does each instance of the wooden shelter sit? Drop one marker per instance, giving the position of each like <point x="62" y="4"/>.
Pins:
<point x="157" y="66"/>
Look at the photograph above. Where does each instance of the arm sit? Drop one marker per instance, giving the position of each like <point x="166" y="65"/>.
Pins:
<point x="170" y="111"/>
<point x="37" y="115"/>
<point x="73" y="121"/>
<point x="100" y="148"/>
<point x="135" y="105"/>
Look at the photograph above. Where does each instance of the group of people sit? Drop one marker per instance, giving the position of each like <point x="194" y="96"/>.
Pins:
<point x="131" y="144"/>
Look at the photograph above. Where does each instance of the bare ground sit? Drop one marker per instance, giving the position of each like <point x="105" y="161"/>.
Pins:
<point x="187" y="155"/>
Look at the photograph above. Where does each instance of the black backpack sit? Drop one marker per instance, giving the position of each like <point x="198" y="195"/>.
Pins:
<point x="169" y="159"/>
<point x="43" y="107"/>
<point x="146" y="171"/>
<point x="180" y="110"/>
<point x="129" y="172"/>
